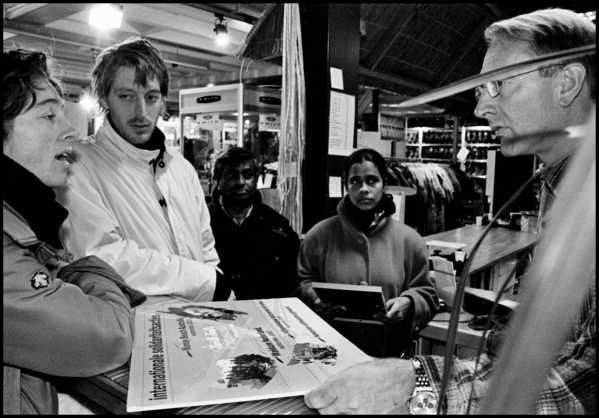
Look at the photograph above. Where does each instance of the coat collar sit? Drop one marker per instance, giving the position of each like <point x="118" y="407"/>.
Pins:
<point x="349" y="223"/>
<point x="109" y="134"/>
<point x="33" y="201"/>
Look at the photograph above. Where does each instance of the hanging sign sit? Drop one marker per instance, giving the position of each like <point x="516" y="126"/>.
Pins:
<point x="270" y="122"/>
<point x="209" y="121"/>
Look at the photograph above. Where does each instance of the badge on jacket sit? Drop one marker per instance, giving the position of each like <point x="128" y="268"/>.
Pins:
<point x="39" y="280"/>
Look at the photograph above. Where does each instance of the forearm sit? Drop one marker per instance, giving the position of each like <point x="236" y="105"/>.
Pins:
<point x="156" y="274"/>
<point x="67" y="329"/>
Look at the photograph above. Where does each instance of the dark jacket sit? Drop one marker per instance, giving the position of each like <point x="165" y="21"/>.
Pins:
<point x="259" y="256"/>
<point x="59" y="318"/>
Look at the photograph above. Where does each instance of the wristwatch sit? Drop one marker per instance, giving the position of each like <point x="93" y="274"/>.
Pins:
<point x="424" y="397"/>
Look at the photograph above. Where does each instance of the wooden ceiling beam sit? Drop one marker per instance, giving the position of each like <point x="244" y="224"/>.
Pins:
<point x="58" y="36"/>
<point x="46" y="13"/>
<point x="387" y="40"/>
<point x="464" y="49"/>
<point x="400" y="80"/>
<point x="246" y="16"/>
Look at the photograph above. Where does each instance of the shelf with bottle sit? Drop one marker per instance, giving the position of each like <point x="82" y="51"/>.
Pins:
<point x="392" y="127"/>
<point x="478" y="135"/>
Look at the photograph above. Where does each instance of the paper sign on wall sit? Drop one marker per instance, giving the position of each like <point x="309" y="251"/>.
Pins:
<point x="269" y="122"/>
<point x="209" y="121"/>
<point x="342" y="113"/>
<point x="335" y="187"/>
<point x="336" y="78"/>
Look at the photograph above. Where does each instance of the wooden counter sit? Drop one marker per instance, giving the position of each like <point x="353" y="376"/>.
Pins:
<point x="109" y="391"/>
<point x="500" y="243"/>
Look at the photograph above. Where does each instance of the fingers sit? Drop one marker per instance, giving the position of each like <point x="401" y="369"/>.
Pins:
<point x="320" y="398"/>
<point x="394" y="309"/>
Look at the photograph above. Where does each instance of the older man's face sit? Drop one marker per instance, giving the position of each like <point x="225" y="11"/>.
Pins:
<point x="526" y="104"/>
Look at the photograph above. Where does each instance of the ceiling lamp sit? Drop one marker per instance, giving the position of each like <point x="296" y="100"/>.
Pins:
<point x="106" y="16"/>
<point x="220" y="29"/>
<point x="87" y="102"/>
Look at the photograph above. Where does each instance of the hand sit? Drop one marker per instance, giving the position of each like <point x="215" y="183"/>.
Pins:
<point x="328" y="310"/>
<point x="398" y="308"/>
<point x="380" y="386"/>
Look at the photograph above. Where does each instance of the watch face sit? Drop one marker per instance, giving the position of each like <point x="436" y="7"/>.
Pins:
<point x="423" y="403"/>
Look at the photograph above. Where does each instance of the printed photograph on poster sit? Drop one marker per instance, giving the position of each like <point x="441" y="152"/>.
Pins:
<point x="187" y="354"/>
<point x="342" y="114"/>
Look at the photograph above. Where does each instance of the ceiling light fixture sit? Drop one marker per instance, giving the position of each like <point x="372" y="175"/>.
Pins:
<point x="220" y="29"/>
<point x="87" y="102"/>
<point x="106" y="16"/>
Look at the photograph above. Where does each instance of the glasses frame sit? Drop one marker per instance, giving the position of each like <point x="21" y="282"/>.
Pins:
<point x="493" y="88"/>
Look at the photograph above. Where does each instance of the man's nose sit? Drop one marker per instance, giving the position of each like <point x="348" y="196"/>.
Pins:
<point x="364" y="187"/>
<point x="140" y="107"/>
<point x="68" y="132"/>
<point x="484" y="106"/>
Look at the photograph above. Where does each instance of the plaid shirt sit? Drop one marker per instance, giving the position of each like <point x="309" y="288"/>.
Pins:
<point x="570" y="385"/>
<point x="549" y="181"/>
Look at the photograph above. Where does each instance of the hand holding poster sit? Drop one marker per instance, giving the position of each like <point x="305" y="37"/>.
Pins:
<point x="201" y="353"/>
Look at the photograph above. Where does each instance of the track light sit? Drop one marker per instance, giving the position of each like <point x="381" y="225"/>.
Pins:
<point x="220" y="29"/>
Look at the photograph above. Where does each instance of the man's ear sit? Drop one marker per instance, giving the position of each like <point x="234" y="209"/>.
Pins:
<point x="571" y="81"/>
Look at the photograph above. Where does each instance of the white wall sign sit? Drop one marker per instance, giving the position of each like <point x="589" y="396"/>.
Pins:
<point x="209" y="121"/>
<point x="270" y="122"/>
<point x="342" y="113"/>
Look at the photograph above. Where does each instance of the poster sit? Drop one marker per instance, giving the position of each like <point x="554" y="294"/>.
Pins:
<point x="201" y="353"/>
<point x="342" y="113"/>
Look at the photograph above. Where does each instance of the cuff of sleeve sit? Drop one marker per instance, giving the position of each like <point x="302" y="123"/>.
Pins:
<point x="223" y="287"/>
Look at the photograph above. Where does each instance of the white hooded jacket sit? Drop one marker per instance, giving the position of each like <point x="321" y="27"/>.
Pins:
<point x="114" y="213"/>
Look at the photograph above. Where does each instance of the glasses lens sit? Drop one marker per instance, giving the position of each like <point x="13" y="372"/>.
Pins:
<point x="493" y="88"/>
<point x="478" y="91"/>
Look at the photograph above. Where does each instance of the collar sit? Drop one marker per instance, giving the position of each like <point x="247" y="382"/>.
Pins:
<point x="149" y="156"/>
<point x="380" y="219"/>
<point x="33" y="200"/>
<point x="554" y="172"/>
<point x="238" y="220"/>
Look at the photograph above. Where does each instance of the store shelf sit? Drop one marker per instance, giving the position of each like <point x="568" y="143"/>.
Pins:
<point x="448" y="144"/>
<point x="468" y="160"/>
<point x="469" y="144"/>
<point x="436" y="159"/>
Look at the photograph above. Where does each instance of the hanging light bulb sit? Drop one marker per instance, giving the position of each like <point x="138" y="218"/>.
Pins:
<point x="220" y="29"/>
<point x="87" y="102"/>
<point x="106" y="16"/>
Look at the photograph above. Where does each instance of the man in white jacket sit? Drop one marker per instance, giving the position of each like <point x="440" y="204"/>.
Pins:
<point x="131" y="201"/>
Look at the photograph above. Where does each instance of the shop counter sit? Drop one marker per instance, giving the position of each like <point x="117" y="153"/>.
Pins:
<point x="109" y="391"/>
<point x="499" y="244"/>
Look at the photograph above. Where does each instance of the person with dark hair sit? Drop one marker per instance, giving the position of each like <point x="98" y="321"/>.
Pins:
<point x="133" y="202"/>
<point x="363" y="244"/>
<point x="60" y="318"/>
<point x="256" y="245"/>
<point x="542" y="366"/>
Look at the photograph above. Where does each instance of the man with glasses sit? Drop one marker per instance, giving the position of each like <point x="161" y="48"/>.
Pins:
<point x="549" y="99"/>
<point x="256" y="245"/>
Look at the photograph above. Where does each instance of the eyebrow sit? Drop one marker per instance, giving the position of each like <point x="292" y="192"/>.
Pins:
<point x="49" y="101"/>
<point x="130" y="90"/>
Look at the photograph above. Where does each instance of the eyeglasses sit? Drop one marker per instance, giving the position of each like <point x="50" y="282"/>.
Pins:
<point x="493" y="88"/>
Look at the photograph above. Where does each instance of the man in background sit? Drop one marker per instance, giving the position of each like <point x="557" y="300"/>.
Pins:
<point x="132" y="202"/>
<point x="256" y="245"/>
<point x="548" y="99"/>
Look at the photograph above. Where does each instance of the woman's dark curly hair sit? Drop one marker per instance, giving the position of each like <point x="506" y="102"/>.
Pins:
<point x="22" y="73"/>
<point x="366" y="154"/>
